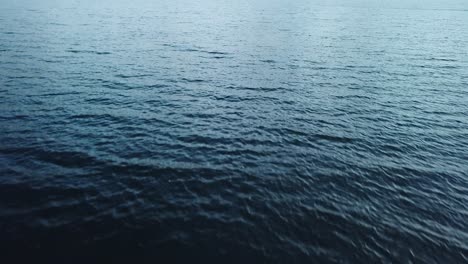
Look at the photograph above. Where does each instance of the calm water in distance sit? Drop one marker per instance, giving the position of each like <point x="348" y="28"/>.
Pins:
<point x="234" y="131"/>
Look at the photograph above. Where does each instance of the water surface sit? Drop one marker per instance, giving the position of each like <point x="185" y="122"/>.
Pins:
<point x="258" y="131"/>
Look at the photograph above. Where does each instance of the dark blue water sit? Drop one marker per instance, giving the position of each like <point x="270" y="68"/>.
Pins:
<point x="233" y="131"/>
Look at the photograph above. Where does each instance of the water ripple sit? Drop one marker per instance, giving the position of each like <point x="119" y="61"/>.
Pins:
<point x="260" y="133"/>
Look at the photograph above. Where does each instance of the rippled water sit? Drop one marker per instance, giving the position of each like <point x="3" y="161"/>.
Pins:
<point x="258" y="131"/>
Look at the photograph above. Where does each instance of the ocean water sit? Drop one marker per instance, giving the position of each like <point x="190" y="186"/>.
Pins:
<point x="234" y="131"/>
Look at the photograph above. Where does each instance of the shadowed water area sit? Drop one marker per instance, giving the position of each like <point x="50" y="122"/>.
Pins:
<point x="233" y="131"/>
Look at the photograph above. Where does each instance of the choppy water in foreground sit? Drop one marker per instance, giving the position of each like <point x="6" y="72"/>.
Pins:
<point x="235" y="131"/>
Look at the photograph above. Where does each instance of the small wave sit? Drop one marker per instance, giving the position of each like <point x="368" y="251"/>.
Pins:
<point x="89" y="52"/>
<point x="216" y="52"/>
<point x="352" y="96"/>
<point x="123" y="76"/>
<point x="58" y="94"/>
<point x="189" y="50"/>
<point x="193" y="80"/>
<point x="157" y="86"/>
<point x="219" y="57"/>
<point x="51" y="61"/>
<point x="195" y="49"/>
<point x="334" y="138"/>
<point x="102" y="53"/>
<point x="14" y="117"/>
<point x="442" y="59"/>
<point x="99" y="119"/>
<point x="258" y="89"/>
<point x="57" y="24"/>
<point x="69" y="159"/>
